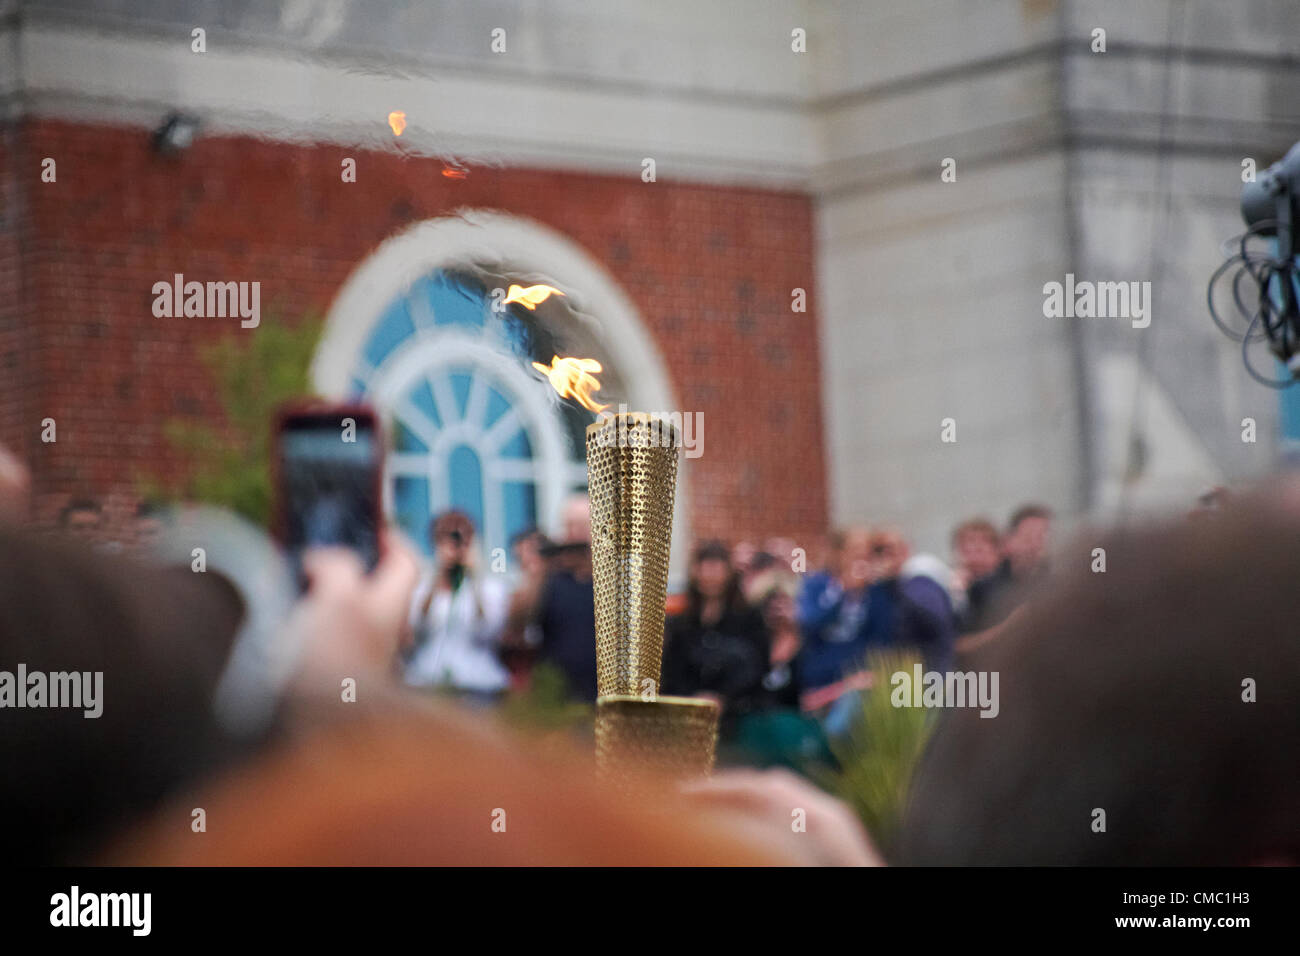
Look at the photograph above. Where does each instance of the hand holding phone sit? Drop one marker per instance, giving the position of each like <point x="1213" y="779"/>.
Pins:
<point x="328" y="461"/>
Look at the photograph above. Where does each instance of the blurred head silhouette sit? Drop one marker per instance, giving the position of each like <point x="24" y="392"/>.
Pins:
<point x="1158" y="698"/>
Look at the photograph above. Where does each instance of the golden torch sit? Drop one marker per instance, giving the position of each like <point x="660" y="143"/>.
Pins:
<point x="632" y="483"/>
<point x="668" y="738"/>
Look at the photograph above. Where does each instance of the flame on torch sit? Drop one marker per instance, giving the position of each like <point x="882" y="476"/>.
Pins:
<point x="572" y="378"/>
<point x="531" y="297"/>
<point x="397" y="120"/>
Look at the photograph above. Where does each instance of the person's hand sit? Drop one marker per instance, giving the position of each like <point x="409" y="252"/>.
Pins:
<point x="961" y="578"/>
<point x="818" y="698"/>
<point x="349" y="623"/>
<point x="858" y="574"/>
<point x="789" y="813"/>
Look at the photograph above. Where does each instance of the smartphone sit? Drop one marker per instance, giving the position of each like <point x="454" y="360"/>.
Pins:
<point x="327" y="462"/>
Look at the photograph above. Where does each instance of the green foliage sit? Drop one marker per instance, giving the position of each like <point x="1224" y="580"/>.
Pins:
<point x="254" y="374"/>
<point x="545" y="706"/>
<point x="879" y="754"/>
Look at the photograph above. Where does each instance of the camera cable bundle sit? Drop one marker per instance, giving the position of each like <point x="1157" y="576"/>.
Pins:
<point x="1266" y="271"/>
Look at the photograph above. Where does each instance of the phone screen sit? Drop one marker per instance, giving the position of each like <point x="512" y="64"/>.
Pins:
<point x="328" y="486"/>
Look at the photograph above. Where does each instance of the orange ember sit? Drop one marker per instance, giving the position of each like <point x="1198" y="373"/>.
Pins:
<point x="397" y="120"/>
<point x="572" y="378"/>
<point x="532" y="296"/>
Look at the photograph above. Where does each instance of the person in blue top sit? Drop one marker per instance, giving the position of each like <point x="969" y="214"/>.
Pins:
<point x="867" y="601"/>
<point x="843" y="613"/>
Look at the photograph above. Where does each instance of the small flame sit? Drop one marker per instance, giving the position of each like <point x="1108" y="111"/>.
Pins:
<point x="572" y="378"/>
<point x="531" y="297"/>
<point x="397" y="120"/>
<point x="451" y="172"/>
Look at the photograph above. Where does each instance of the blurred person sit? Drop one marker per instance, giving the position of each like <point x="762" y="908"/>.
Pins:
<point x="140" y="651"/>
<point x="913" y="594"/>
<point x="1024" y="562"/>
<point x="742" y="556"/>
<point x="521" y="636"/>
<point x="562" y="604"/>
<point x="457" y="617"/>
<point x="260" y="662"/>
<point x="150" y="521"/>
<point x="527" y="547"/>
<point x="775" y="732"/>
<point x="977" y="548"/>
<point x="718" y="647"/>
<point x="819" y="554"/>
<point x="82" y="517"/>
<point x="928" y="592"/>
<point x="760" y="568"/>
<point x="779" y="545"/>
<point x="842" y="616"/>
<point x="1164" y="692"/>
<point x="781" y="682"/>
<point x="15" y="487"/>
<point x="773" y="592"/>
<point x="1026" y="542"/>
<point x="780" y="548"/>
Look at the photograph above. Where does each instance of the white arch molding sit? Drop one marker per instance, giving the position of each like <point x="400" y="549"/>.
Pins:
<point x="512" y="244"/>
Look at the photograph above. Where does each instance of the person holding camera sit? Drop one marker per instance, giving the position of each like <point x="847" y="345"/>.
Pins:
<point x="457" y="616"/>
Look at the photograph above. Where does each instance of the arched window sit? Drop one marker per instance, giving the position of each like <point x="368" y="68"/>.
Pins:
<point x="472" y="425"/>
<point x="413" y="332"/>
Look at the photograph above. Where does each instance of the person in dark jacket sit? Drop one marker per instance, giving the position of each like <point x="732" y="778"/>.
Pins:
<point x="718" y="646"/>
<point x="1024" y="563"/>
<point x="554" y="611"/>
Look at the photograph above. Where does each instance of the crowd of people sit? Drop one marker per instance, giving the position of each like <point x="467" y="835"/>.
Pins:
<point x="776" y="643"/>
<point x="781" y="641"/>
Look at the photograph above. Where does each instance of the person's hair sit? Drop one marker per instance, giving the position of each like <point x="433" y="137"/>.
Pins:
<point x="452" y="522"/>
<point x="79" y="504"/>
<point x="733" y="597"/>
<point x="159" y="637"/>
<point x="312" y="801"/>
<point x="982" y="527"/>
<point x="528" y="534"/>
<point x="1025" y="512"/>
<point x="151" y="508"/>
<point x="1133" y="692"/>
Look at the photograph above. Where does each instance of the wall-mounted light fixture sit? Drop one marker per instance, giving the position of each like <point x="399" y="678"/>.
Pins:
<point x="176" y="134"/>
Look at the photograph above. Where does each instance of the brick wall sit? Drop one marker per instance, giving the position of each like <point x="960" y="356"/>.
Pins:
<point x="711" y="270"/>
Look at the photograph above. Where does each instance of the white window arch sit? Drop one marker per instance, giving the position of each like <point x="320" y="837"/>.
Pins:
<point x="364" y="351"/>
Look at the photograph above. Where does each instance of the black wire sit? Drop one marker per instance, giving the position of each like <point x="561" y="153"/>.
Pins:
<point x="1282" y="330"/>
<point x="1278" y="384"/>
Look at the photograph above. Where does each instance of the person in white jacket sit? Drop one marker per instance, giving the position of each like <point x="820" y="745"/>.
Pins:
<point x="457" y="616"/>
